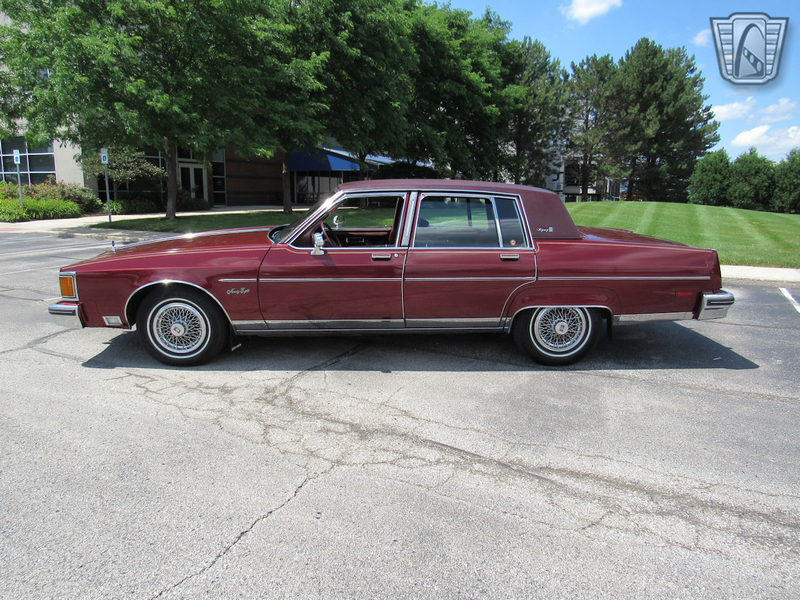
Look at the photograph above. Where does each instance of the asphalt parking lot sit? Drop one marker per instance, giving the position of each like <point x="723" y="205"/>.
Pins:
<point x="665" y="465"/>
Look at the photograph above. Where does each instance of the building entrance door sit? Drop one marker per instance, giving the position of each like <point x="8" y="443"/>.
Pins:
<point x="194" y="180"/>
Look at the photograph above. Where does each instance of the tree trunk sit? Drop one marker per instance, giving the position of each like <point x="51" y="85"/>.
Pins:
<point x="362" y="167"/>
<point x="630" y="181"/>
<point x="171" y="155"/>
<point x="585" y="168"/>
<point x="287" y="184"/>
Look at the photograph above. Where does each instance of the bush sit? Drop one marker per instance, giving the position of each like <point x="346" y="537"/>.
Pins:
<point x="35" y="209"/>
<point x="45" y="194"/>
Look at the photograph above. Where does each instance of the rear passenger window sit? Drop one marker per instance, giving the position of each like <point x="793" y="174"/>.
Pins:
<point x="510" y="222"/>
<point x="447" y="222"/>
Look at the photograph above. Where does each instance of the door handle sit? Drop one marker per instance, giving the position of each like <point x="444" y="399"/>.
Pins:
<point x="509" y="257"/>
<point x="381" y="257"/>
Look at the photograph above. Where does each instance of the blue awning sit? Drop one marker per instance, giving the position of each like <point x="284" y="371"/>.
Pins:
<point x="318" y="159"/>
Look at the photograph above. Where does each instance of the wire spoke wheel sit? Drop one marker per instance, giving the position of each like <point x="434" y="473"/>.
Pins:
<point x="560" y="329"/>
<point x="179" y="327"/>
<point x="557" y="335"/>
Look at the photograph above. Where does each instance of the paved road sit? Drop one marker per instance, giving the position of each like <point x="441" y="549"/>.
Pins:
<point x="666" y="465"/>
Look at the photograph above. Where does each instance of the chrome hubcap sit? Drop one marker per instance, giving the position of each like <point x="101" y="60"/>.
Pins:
<point x="179" y="327"/>
<point x="560" y="329"/>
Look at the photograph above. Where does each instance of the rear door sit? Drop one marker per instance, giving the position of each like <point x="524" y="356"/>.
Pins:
<point x="467" y="255"/>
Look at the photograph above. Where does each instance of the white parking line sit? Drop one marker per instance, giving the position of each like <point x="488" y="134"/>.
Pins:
<point x="789" y="297"/>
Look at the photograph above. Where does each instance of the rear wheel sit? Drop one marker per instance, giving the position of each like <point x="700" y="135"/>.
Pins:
<point x="181" y="327"/>
<point x="559" y="335"/>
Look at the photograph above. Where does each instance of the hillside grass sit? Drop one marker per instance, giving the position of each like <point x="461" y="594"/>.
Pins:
<point x="741" y="237"/>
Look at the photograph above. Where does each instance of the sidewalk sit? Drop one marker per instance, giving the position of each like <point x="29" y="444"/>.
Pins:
<point x="81" y="227"/>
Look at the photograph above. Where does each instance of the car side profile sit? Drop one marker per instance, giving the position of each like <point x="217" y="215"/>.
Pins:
<point x="433" y="256"/>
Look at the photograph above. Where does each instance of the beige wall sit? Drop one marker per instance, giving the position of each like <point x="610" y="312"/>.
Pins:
<point x="67" y="168"/>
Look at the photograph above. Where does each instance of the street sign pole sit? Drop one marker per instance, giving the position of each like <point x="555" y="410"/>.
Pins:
<point x="104" y="160"/>
<point x="19" y="177"/>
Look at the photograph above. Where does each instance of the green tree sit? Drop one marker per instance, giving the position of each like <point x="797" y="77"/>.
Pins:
<point x="590" y="108"/>
<point x="711" y="180"/>
<point x="369" y="89"/>
<point x="787" y="184"/>
<point x="454" y="117"/>
<point x="124" y="166"/>
<point x="169" y="74"/>
<point x="752" y="181"/>
<point x="539" y="123"/>
<point x="661" y="124"/>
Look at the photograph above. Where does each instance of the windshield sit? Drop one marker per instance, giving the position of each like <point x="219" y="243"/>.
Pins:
<point x="287" y="231"/>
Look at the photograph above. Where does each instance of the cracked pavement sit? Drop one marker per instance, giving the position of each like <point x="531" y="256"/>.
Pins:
<point x="663" y="466"/>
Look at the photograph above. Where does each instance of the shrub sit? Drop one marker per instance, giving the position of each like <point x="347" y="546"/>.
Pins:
<point x="35" y="209"/>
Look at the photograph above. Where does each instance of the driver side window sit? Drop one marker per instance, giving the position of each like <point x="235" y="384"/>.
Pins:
<point x="359" y="221"/>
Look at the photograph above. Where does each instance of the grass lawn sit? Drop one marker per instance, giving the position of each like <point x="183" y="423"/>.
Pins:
<point x="742" y="237"/>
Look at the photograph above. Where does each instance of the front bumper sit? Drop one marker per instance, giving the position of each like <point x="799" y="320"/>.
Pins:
<point x="66" y="309"/>
<point x="715" y="305"/>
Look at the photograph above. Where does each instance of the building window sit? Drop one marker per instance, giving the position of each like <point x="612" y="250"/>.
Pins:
<point x="37" y="163"/>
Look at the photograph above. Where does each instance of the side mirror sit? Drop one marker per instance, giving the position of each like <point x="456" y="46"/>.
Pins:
<point x="338" y="221"/>
<point x="319" y="241"/>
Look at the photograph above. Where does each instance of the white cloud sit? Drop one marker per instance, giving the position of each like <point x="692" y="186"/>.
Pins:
<point x="774" y="144"/>
<point x="781" y="111"/>
<point x="585" y="10"/>
<point x="702" y="38"/>
<point x="734" y="110"/>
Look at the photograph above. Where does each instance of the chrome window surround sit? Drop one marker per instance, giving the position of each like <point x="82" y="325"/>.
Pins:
<point x="491" y="197"/>
<point x="331" y="205"/>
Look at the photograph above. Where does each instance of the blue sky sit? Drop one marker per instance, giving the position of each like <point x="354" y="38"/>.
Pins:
<point x="765" y="116"/>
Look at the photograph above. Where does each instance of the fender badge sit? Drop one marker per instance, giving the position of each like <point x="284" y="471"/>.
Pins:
<point x="241" y="290"/>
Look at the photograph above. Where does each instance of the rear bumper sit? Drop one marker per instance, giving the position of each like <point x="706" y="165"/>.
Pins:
<point x="66" y="309"/>
<point x="715" y="305"/>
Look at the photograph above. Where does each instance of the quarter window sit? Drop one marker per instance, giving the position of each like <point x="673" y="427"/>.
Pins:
<point x="510" y="222"/>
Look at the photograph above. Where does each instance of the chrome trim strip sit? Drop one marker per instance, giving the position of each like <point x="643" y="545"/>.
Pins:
<point x="309" y="218"/>
<point x="627" y="278"/>
<point x="240" y="326"/>
<point x="243" y="280"/>
<point x="645" y="318"/>
<point x="328" y="279"/>
<point x="334" y="324"/>
<point x="166" y="282"/>
<point x="479" y="323"/>
<point x="715" y="305"/>
<point x="410" y="219"/>
<point x="528" y="279"/>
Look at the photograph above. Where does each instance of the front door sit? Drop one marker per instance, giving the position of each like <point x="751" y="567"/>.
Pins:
<point x="354" y="282"/>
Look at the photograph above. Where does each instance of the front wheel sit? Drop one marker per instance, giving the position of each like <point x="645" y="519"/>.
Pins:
<point x="559" y="335"/>
<point x="181" y="327"/>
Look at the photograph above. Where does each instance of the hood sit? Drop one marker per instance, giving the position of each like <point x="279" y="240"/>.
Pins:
<point x="207" y="241"/>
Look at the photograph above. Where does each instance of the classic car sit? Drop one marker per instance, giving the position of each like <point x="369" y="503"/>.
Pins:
<point x="434" y="256"/>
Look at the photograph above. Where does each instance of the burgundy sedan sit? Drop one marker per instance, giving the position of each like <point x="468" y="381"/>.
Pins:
<point x="397" y="256"/>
